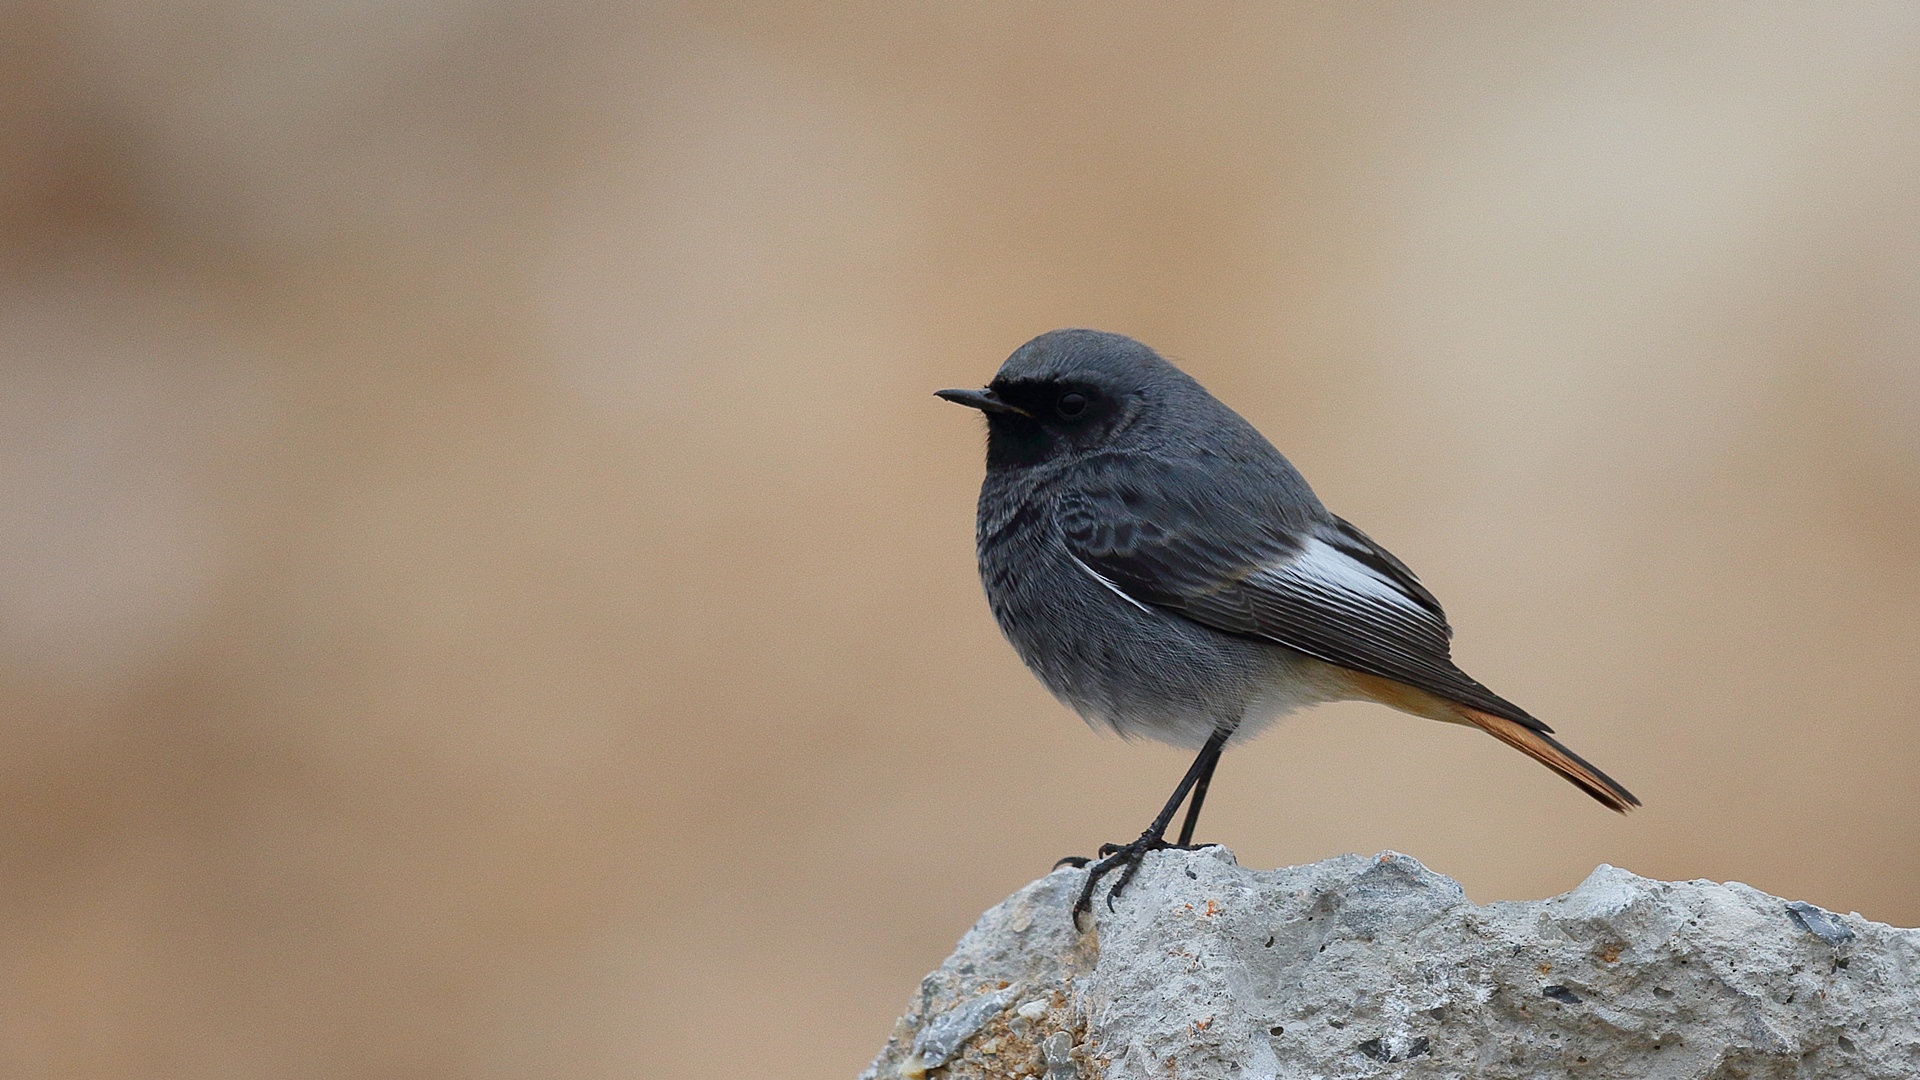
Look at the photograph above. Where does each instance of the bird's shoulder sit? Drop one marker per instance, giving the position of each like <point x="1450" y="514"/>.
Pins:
<point x="1219" y="512"/>
<point x="1244" y="547"/>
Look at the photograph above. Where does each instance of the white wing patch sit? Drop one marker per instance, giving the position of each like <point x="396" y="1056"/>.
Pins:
<point x="1322" y="568"/>
<point x="1102" y="579"/>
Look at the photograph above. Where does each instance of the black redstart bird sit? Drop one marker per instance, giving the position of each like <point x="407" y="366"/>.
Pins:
<point x="1165" y="572"/>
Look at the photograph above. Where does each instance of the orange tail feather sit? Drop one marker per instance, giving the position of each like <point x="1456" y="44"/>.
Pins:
<point x="1537" y="745"/>
<point x="1547" y="751"/>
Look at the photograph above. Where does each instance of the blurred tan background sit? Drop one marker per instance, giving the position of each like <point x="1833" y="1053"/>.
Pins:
<point x="485" y="590"/>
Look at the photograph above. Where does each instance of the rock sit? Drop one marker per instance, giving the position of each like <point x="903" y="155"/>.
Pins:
<point x="1358" y="967"/>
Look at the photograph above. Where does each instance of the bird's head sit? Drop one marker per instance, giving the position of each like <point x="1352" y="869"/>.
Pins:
<point x="1071" y="392"/>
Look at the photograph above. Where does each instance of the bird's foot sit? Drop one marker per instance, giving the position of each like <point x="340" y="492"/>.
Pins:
<point x="1124" y="857"/>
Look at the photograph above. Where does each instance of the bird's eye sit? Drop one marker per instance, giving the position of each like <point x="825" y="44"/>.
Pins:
<point x="1071" y="404"/>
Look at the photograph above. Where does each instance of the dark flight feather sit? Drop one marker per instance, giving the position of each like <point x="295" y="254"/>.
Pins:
<point x="1206" y="543"/>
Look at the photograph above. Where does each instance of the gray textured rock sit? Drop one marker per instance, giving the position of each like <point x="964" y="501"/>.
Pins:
<point x="1378" y="967"/>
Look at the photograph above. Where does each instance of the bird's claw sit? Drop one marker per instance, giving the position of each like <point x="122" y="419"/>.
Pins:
<point x="1126" y="857"/>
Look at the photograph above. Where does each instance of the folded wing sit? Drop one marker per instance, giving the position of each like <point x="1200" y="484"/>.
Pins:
<point x="1175" y="537"/>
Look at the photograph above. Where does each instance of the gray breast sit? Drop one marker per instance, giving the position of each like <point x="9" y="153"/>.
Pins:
<point x="1139" y="671"/>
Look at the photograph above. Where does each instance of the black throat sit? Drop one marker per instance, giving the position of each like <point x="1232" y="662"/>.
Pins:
<point x="1016" y="442"/>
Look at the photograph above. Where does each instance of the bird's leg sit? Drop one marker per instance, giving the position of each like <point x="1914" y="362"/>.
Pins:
<point x="1130" y="855"/>
<point x="1193" y="804"/>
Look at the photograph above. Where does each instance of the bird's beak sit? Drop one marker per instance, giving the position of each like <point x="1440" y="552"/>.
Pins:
<point x="984" y="400"/>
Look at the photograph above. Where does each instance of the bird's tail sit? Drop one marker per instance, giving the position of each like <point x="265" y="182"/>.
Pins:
<point x="1538" y="745"/>
<point x="1547" y="751"/>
